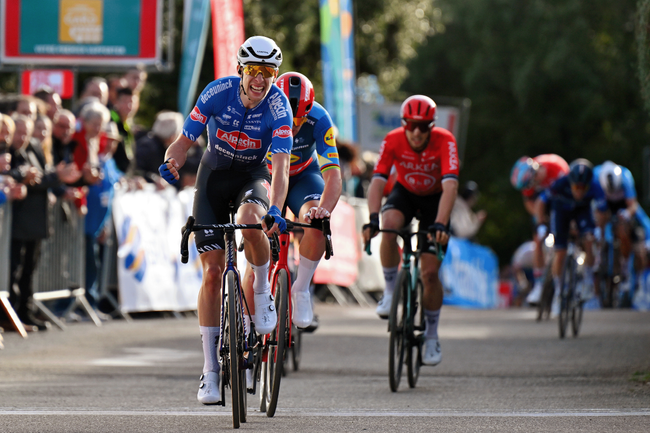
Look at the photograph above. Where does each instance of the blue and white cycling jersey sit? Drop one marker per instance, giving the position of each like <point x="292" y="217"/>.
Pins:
<point x="560" y="196"/>
<point x="239" y="137"/>
<point x="627" y="191"/>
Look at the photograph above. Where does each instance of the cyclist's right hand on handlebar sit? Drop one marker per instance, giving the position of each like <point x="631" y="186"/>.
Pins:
<point x="277" y="216"/>
<point x="372" y="226"/>
<point x="169" y="171"/>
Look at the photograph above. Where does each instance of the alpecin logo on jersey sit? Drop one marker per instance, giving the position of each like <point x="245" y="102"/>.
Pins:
<point x="243" y="142"/>
<point x="197" y="116"/>
<point x="283" y="132"/>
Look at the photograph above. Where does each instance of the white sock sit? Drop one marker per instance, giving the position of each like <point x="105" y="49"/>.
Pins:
<point x="432" y="319"/>
<point x="557" y="283"/>
<point x="306" y="270"/>
<point x="261" y="283"/>
<point x="390" y="276"/>
<point x="210" y="340"/>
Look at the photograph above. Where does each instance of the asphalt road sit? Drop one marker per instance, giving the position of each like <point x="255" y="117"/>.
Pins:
<point x="501" y="371"/>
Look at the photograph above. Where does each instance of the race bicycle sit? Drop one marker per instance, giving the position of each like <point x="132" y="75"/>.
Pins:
<point x="571" y="300"/>
<point x="275" y="346"/>
<point x="406" y="321"/>
<point x="237" y="344"/>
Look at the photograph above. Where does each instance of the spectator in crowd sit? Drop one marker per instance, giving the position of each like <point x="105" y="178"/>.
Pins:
<point x="7" y="128"/>
<point x="136" y="78"/>
<point x="351" y="168"/>
<point x="9" y="189"/>
<point x="51" y="99"/>
<point x="150" y="149"/>
<point x="465" y="223"/>
<point x="62" y="131"/>
<point x="85" y="147"/>
<point x="115" y="83"/>
<point x="95" y="87"/>
<point x="30" y="216"/>
<point x="28" y="106"/>
<point x="99" y="202"/>
<point x="121" y="114"/>
<point x="43" y="133"/>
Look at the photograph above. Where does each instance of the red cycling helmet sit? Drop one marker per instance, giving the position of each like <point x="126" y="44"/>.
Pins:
<point x="418" y="108"/>
<point x="300" y="92"/>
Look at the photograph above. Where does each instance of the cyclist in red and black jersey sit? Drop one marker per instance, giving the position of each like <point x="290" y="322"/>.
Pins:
<point x="426" y="160"/>
<point x="532" y="176"/>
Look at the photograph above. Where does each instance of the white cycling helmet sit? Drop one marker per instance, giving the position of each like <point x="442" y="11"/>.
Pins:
<point x="259" y="50"/>
<point x="610" y="177"/>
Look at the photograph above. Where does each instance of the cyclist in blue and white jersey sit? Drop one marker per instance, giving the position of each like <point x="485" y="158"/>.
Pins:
<point x="570" y="198"/>
<point x="632" y="223"/>
<point x="314" y="185"/>
<point x="246" y="117"/>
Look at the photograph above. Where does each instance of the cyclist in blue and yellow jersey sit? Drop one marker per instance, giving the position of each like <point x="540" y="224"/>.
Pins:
<point x="314" y="184"/>
<point x="246" y="117"/>
<point x="570" y="199"/>
<point x="631" y="223"/>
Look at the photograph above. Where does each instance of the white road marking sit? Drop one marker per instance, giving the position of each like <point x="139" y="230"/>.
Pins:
<point x="342" y="413"/>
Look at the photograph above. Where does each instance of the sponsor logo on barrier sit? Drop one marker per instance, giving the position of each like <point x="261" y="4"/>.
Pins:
<point x="243" y="142"/>
<point x="197" y="116"/>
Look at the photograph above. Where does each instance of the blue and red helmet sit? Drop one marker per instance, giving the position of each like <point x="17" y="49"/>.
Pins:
<point x="523" y="172"/>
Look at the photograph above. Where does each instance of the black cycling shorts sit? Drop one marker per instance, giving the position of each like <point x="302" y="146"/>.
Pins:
<point x="215" y="189"/>
<point x="423" y="208"/>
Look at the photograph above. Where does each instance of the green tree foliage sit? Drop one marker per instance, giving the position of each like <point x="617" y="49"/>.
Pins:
<point x="544" y="76"/>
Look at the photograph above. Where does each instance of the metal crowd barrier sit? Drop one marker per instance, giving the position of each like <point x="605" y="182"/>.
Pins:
<point x="5" y="260"/>
<point x="61" y="270"/>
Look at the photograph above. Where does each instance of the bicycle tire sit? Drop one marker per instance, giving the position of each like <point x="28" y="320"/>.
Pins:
<point x="241" y="361"/>
<point x="296" y="346"/>
<point x="230" y="319"/>
<point x="264" y="383"/>
<point x="576" y="310"/>
<point x="566" y="294"/>
<point x="397" y="327"/>
<point x="416" y="322"/>
<point x="277" y="353"/>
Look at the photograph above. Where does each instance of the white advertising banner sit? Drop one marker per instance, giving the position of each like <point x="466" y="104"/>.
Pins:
<point x="151" y="278"/>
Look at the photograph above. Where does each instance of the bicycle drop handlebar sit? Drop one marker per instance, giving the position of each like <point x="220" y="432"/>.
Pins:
<point x="319" y="224"/>
<point x="406" y="235"/>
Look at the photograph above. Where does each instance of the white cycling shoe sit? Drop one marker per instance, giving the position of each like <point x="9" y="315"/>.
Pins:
<point x="432" y="354"/>
<point x="302" y="313"/>
<point x="266" y="318"/>
<point x="209" y="392"/>
<point x="383" y="307"/>
<point x="536" y="294"/>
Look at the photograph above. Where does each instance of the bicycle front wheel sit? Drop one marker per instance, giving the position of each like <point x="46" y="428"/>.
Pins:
<point x="415" y="335"/>
<point x="397" y="325"/>
<point x="230" y="334"/>
<point x="566" y="293"/>
<point x="277" y="351"/>
<point x="296" y="337"/>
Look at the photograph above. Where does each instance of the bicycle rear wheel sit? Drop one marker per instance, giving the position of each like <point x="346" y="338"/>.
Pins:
<point x="277" y="352"/>
<point x="230" y="335"/>
<point x="397" y="325"/>
<point x="415" y="338"/>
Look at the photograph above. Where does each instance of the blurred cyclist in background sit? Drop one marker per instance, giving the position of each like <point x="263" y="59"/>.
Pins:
<point x="531" y="176"/>
<point x="569" y="199"/>
<point x="630" y="223"/>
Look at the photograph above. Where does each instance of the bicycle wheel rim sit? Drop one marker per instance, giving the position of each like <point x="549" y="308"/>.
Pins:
<point x="295" y="347"/>
<point x="276" y="362"/>
<point x="397" y="330"/>
<point x="413" y="354"/>
<point x="231" y="319"/>
<point x="563" y="317"/>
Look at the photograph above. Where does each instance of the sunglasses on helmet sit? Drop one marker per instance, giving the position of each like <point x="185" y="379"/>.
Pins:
<point x="255" y="70"/>
<point x="411" y="125"/>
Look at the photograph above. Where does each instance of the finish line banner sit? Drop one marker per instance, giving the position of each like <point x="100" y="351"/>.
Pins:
<point x="470" y="275"/>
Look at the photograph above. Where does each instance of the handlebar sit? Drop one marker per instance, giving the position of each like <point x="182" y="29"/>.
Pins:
<point x="406" y="234"/>
<point x="319" y="224"/>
